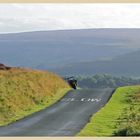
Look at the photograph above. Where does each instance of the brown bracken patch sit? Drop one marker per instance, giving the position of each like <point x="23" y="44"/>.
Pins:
<point x="3" y="67"/>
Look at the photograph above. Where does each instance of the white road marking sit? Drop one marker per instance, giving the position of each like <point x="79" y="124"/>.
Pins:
<point x="81" y="100"/>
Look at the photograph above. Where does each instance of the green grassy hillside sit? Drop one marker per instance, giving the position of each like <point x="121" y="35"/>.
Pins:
<point x="120" y="117"/>
<point x="24" y="91"/>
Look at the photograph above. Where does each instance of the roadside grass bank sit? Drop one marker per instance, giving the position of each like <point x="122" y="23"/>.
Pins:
<point x="25" y="91"/>
<point x="119" y="117"/>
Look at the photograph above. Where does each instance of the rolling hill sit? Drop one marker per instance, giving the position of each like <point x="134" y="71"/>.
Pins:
<point x="53" y="49"/>
<point x="126" y="65"/>
<point x="25" y="91"/>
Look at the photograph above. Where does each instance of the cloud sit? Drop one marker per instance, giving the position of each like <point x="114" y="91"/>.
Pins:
<point x="28" y="17"/>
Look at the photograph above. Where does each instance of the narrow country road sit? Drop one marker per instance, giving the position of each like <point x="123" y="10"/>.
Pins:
<point x="65" y="118"/>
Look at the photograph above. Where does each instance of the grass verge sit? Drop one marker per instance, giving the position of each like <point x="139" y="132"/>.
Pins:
<point x="23" y="92"/>
<point x="111" y="119"/>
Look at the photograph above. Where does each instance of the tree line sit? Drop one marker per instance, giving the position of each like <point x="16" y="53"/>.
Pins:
<point x="106" y="80"/>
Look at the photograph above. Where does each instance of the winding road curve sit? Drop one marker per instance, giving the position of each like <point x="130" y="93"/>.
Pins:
<point x="65" y="118"/>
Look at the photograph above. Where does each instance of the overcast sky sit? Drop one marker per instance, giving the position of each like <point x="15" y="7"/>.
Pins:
<point x="32" y="17"/>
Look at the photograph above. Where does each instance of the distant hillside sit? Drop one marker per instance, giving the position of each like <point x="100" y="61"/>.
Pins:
<point x="24" y="91"/>
<point x="52" y="49"/>
<point x="127" y="65"/>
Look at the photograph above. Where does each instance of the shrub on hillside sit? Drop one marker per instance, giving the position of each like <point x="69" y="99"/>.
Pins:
<point x="129" y="122"/>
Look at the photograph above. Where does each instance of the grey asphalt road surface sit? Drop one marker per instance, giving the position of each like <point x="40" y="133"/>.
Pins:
<point x="65" y="118"/>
